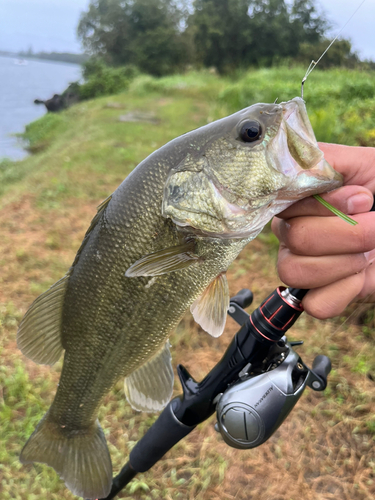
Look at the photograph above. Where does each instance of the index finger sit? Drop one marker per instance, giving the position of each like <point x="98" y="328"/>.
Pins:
<point x="317" y="236"/>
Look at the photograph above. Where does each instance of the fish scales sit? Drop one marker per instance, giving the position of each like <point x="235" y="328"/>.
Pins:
<point x="161" y="243"/>
<point x="121" y="322"/>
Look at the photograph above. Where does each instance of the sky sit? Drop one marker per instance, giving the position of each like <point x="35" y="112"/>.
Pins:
<point x="44" y="25"/>
<point x="360" y="30"/>
<point x="50" y="25"/>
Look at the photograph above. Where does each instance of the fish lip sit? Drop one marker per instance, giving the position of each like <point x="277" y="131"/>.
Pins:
<point x="288" y="110"/>
<point x="296" y="152"/>
<point x="296" y="109"/>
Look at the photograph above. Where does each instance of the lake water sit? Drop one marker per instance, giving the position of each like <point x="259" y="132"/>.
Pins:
<point x="20" y="84"/>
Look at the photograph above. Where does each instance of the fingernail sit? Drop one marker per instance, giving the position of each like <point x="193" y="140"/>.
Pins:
<point x="359" y="203"/>
<point x="370" y="256"/>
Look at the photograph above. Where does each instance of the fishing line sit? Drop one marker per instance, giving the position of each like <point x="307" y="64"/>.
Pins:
<point x="359" y="308"/>
<point x="311" y="67"/>
<point x="313" y="63"/>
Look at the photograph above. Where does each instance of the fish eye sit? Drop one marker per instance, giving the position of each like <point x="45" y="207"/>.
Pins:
<point x="250" y="131"/>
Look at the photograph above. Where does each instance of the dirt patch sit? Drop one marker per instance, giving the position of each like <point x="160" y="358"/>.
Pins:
<point x="35" y="243"/>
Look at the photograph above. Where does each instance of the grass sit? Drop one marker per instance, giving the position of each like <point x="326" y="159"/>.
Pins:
<point x="325" y="449"/>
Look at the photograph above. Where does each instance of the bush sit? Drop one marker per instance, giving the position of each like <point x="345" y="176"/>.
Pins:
<point x="360" y="90"/>
<point x="339" y="55"/>
<point x="101" y="79"/>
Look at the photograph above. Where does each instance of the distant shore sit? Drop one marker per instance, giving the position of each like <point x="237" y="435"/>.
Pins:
<point x="65" y="57"/>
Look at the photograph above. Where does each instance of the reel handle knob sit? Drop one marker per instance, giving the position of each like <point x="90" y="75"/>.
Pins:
<point x="320" y="369"/>
<point x="322" y="366"/>
<point x="243" y="298"/>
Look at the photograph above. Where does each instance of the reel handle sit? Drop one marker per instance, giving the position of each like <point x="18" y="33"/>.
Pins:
<point x="322" y="366"/>
<point x="243" y="298"/>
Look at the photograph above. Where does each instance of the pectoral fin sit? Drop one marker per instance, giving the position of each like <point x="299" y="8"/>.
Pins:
<point x="164" y="261"/>
<point x="210" y="309"/>
<point x="150" y="387"/>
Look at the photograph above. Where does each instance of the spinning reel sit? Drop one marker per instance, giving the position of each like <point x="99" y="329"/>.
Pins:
<point x="250" y="410"/>
<point x="253" y="388"/>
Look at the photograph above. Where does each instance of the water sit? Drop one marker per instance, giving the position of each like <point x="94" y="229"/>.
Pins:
<point x="20" y="84"/>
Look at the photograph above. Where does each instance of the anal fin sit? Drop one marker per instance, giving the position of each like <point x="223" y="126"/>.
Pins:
<point x="150" y="387"/>
<point x="39" y="333"/>
<point x="210" y="309"/>
<point x="164" y="261"/>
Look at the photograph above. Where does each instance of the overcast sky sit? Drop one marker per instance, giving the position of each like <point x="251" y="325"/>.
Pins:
<point x="50" y="25"/>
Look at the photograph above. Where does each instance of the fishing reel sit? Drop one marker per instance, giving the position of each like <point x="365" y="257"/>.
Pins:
<point x="253" y="388"/>
<point x="251" y="409"/>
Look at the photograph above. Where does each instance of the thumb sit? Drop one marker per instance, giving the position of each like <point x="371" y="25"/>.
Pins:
<point x="355" y="163"/>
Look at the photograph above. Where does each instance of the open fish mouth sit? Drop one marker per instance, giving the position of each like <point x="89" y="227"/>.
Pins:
<point x="295" y="150"/>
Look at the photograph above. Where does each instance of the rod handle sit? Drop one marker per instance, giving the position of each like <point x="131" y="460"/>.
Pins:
<point x="160" y="438"/>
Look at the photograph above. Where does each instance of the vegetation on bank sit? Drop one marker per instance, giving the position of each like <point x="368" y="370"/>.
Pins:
<point x="100" y="79"/>
<point x="326" y="447"/>
<point x="340" y="102"/>
<point x="125" y="38"/>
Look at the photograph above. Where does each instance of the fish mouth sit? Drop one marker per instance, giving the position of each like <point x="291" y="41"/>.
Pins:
<point x="296" y="154"/>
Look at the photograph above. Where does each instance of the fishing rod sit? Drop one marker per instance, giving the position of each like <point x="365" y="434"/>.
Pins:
<point x="253" y="388"/>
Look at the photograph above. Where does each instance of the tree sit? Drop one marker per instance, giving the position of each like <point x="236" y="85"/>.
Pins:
<point x="159" y="37"/>
<point x="145" y="33"/>
<point x="270" y="26"/>
<point x="308" y="25"/>
<point x="221" y="33"/>
<point x="237" y="33"/>
<point x="340" y="54"/>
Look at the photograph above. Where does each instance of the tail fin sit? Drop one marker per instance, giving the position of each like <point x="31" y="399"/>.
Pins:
<point x="81" y="457"/>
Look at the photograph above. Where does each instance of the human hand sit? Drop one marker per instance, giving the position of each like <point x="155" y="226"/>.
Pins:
<point x="321" y="252"/>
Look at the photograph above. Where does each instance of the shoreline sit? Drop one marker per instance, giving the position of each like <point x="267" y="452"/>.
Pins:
<point x="20" y="85"/>
<point x="21" y="149"/>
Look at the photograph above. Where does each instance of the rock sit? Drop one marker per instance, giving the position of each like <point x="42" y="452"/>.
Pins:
<point x="58" y="102"/>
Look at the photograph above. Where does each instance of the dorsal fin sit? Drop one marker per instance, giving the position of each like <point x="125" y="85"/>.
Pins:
<point x="100" y="209"/>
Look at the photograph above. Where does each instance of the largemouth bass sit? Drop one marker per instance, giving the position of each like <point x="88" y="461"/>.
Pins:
<point x="160" y="243"/>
